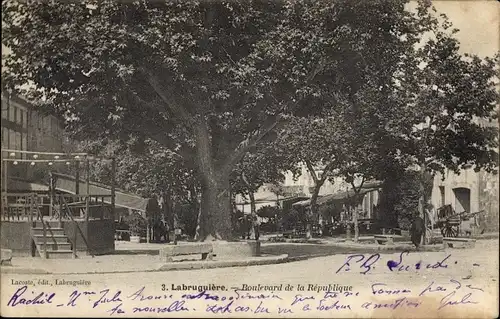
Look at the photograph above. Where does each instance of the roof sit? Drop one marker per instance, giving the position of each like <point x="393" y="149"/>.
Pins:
<point x="340" y="196"/>
<point x="18" y="185"/>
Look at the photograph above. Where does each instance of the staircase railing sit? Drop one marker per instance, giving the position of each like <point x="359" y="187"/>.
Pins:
<point x="33" y="205"/>
<point x="68" y="212"/>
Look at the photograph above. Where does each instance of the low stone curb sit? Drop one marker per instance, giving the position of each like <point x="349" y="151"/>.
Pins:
<point x="400" y="247"/>
<point x="186" y="265"/>
<point x="22" y="271"/>
<point x="224" y="263"/>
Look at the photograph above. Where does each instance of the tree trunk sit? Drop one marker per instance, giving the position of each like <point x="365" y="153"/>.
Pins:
<point x="253" y="213"/>
<point x="215" y="221"/>
<point x="168" y="212"/>
<point x="253" y="209"/>
<point x="422" y="203"/>
<point x="356" y="226"/>
<point x="387" y="198"/>
<point x="197" y="233"/>
<point x="314" y="208"/>
<point x="348" y="223"/>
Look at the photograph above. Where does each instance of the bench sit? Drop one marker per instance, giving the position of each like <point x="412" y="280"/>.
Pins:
<point x="452" y="242"/>
<point x="206" y="250"/>
<point x="387" y="239"/>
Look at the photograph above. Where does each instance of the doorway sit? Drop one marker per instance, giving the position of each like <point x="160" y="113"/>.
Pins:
<point x="462" y="199"/>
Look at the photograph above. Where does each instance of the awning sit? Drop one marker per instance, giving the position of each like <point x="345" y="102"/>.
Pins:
<point x="66" y="183"/>
<point x="302" y="203"/>
<point x="267" y="199"/>
<point x="342" y="196"/>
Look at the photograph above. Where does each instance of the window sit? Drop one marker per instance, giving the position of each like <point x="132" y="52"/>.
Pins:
<point x="12" y="139"/>
<point x="12" y="113"/>
<point x="46" y="124"/>
<point x="5" y="137"/>
<point x="25" y="121"/>
<point x="5" y="109"/>
<point x="19" y="116"/>
<point x="18" y="145"/>
<point x="55" y="126"/>
<point x="443" y="198"/>
<point x="25" y="142"/>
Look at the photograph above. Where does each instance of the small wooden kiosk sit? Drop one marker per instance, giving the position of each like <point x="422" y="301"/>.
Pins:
<point x="52" y="223"/>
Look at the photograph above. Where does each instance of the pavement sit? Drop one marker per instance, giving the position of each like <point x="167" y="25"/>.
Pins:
<point x="473" y="268"/>
<point x="144" y="257"/>
<point x="132" y="257"/>
<point x="109" y="264"/>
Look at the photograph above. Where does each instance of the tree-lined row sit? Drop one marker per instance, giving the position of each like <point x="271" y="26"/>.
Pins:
<point x="226" y="95"/>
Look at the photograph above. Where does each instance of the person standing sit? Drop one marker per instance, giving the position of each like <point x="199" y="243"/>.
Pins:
<point x="166" y="231"/>
<point x="417" y="230"/>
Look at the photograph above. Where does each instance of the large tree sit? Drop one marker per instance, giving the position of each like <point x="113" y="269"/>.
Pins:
<point x="453" y="101"/>
<point x="206" y="80"/>
<point x="314" y="142"/>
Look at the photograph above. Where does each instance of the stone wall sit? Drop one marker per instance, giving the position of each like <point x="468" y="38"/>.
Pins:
<point x="488" y="201"/>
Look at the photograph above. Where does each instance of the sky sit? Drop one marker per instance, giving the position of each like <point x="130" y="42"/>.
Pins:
<point x="478" y="22"/>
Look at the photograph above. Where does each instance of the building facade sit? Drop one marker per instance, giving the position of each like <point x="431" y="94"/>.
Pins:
<point x="303" y="186"/>
<point x="469" y="192"/>
<point x="26" y="129"/>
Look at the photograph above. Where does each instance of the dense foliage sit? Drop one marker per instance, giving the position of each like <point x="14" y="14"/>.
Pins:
<point x="199" y="88"/>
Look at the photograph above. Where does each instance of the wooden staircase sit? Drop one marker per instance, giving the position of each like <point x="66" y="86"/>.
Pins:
<point x="55" y="244"/>
<point x="49" y="238"/>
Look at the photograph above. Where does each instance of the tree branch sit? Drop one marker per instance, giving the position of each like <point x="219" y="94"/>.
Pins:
<point x="319" y="67"/>
<point x="150" y="105"/>
<point x="249" y="186"/>
<point x="250" y="141"/>
<point x="356" y="191"/>
<point x="172" y="145"/>
<point x="167" y="95"/>
<point x="310" y="168"/>
<point x="327" y="169"/>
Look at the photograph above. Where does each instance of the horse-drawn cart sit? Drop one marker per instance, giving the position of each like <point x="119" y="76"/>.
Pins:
<point x="449" y="221"/>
